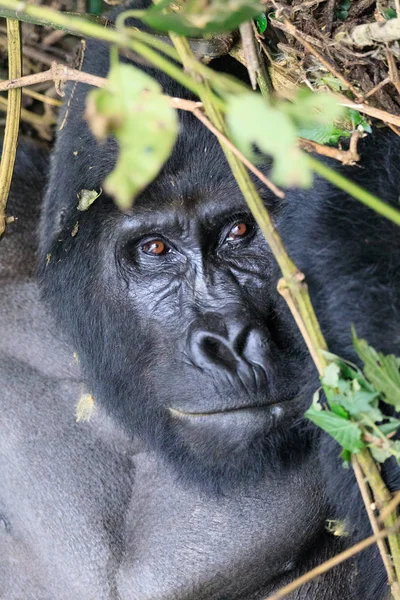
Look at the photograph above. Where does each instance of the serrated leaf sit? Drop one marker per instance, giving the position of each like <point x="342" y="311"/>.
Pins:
<point x="196" y="18"/>
<point x="346" y="433"/>
<point x="381" y="370"/>
<point x="252" y="121"/>
<point x="360" y="402"/>
<point x="132" y="108"/>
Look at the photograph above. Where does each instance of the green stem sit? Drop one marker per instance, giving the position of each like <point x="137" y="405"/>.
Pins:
<point x="294" y="289"/>
<point x="355" y="190"/>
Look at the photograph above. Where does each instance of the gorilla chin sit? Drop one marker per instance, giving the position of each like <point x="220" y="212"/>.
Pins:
<point x="222" y="450"/>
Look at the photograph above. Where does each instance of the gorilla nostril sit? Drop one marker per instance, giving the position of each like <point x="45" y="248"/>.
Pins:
<point x="217" y="352"/>
<point x="241" y="341"/>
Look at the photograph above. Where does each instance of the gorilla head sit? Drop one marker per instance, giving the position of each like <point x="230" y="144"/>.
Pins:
<point x="173" y="312"/>
<point x="172" y="308"/>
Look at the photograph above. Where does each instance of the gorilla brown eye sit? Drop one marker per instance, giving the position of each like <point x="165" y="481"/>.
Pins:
<point x="155" y="248"/>
<point x="239" y="230"/>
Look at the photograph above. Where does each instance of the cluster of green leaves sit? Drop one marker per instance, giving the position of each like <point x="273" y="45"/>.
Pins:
<point x="352" y="411"/>
<point x="332" y="131"/>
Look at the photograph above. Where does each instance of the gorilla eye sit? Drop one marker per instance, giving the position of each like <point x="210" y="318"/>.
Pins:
<point x="238" y="231"/>
<point x="155" y="248"/>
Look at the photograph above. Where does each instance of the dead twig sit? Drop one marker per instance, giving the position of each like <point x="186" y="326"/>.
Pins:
<point x="378" y="87"/>
<point x="12" y="121"/>
<point x="393" y="71"/>
<point x="250" y="52"/>
<point x="346" y="157"/>
<point x="57" y="73"/>
<point x="367" y="499"/>
<point x="377" y="113"/>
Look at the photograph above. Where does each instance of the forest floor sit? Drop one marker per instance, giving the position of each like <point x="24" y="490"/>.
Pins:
<point x="348" y="46"/>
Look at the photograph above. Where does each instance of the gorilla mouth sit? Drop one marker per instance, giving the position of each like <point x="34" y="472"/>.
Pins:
<point x="176" y="412"/>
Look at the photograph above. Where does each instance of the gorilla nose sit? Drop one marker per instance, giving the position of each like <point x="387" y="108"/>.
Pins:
<point x="226" y="344"/>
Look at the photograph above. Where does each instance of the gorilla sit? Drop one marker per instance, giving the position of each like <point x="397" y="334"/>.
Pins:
<point x="197" y="476"/>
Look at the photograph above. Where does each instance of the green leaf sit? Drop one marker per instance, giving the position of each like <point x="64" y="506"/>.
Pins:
<point x="132" y="108"/>
<point x="359" y="120"/>
<point x="346" y="433"/>
<point x="389" y="13"/>
<point x="196" y="18"/>
<point x="311" y="108"/>
<point x="380" y="454"/>
<point x="338" y="410"/>
<point x="261" y="22"/>
<point x="381" y="370"/>
<point x="252" y="121"/>
<point x="326" y="133"/>
<point x="332" y="83"/>
<point x="331" y="375"/>
<point x="389" y="427"/>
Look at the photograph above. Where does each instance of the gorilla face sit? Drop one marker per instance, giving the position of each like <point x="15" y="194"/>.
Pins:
<point x="174" y="313"/>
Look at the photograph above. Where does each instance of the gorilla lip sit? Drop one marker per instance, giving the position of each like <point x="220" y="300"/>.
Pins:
<point x="176" y="412"/>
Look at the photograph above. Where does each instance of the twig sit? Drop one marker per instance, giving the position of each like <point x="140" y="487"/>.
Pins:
<point x="378" y="87"/>
<point x="332" y="562"/>
<point x="250" y="52"/>
<point x="346" y="157"/>
<point x="226" y="142"/>
<point x="306" y="5"/>
<point x="393" y="72"/>
<point x="377" y="113"/>
<point x="56" y="73"/>
<point x="12" y="120"/>
<point x="393" y="128"/>
<point x="292" y="282"/>
<point x="373" y="520"/>
<point x="37" y="121"/>
<point x="382" y="497"/>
